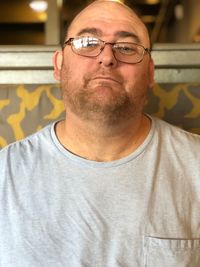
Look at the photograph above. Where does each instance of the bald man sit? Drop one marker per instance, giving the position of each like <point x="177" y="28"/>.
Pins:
<point x="108" y="186"/>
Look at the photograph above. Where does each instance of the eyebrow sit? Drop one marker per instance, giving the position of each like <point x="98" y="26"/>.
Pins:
<point x="94" y="31"/>
<point x="125" y="34"/>
<point x="119" y="34"/>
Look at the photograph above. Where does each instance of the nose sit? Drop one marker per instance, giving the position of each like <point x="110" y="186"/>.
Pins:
<point x="107" y="58"/>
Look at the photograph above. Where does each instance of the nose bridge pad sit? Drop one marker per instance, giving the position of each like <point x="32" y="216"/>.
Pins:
<point x="110" y="44"/>
<point x="102" y="48"/>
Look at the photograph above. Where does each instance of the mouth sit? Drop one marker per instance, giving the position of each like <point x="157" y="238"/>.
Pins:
<point x="107" y="79"/>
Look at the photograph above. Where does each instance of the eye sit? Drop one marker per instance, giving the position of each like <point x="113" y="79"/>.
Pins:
<point x="86" y="43"/>
<point x="126" y="48"/>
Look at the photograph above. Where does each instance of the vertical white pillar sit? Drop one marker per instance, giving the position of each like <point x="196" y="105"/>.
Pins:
<point x="53" y="23"/>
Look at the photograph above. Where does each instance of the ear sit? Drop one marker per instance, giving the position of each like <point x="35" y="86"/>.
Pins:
<point x="151" y="73"/>
<point x="57" y="63"/>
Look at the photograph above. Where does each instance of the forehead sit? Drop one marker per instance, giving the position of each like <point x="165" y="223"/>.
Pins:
<point x="109" y="17"/>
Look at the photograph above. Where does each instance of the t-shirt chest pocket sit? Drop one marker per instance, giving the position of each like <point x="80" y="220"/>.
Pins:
<point x="159" y="252"/>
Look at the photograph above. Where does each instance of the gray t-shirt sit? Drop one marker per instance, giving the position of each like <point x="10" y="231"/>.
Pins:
<point x="57" y="209"/>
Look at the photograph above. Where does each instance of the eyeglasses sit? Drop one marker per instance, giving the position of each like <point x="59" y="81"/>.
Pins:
<point x="92" y="47"/>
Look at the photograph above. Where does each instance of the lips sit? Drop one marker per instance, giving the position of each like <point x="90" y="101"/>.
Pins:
<point x="107" y="78"/>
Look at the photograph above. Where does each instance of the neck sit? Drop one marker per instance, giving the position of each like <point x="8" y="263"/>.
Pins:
<point x="99" y="142"/>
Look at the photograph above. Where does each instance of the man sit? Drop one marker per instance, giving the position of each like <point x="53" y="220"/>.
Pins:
<point x="108" y="186"/>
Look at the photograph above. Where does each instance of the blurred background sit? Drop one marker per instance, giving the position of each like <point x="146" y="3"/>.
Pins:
<point x="36" y="22"/>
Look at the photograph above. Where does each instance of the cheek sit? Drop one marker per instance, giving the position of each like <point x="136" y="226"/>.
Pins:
<point x="76" y="73"/>
<point x="70" y="74"/>
<point x="137" y="79"/>
<point x="71" y="66"/>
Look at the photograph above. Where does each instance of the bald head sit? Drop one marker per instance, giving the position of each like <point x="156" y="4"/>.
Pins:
<point x="109" y="11"/>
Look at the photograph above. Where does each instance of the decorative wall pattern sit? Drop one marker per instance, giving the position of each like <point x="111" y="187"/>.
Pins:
<point x="178" y="104"/>
<point x="24" y="109"/>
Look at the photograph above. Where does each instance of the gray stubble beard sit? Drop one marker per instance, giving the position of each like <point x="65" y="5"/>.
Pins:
<point x="79" y="102"/>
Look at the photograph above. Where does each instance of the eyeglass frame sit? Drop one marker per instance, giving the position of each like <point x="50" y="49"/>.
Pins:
<point x="104" y="43"/>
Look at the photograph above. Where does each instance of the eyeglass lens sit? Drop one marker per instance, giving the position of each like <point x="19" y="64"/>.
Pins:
<point x="123" y="51"/>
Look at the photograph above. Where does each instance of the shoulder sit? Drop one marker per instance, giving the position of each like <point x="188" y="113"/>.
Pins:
<point x="26" y="146"/>
<point x="165" y="127"/>
<point x="177" y="139"/>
